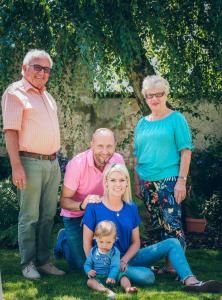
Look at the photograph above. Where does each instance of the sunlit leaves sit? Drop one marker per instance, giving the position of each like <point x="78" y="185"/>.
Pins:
<point x="123" y="39"/>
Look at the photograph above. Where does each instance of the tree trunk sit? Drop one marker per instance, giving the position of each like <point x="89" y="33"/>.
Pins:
<point x="136" y="77"/>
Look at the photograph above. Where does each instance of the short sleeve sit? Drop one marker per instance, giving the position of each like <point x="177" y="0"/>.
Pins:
<point x="136" y="216"/>
<point x="183" y="136"/>
<point x="119" y="159"/>
<point x="135" y="151"/>
<point x="72" y="175"/>
<point x="12" y="110"/>
<point x="89" y="218"/>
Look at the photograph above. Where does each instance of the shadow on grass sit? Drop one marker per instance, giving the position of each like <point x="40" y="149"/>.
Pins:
<point x="73" y="284"/>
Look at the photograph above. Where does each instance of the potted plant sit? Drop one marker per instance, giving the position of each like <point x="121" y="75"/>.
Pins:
<point x="195" y="218"/>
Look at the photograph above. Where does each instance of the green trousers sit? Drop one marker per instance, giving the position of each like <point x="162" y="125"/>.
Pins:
<point x="38" y="202"/>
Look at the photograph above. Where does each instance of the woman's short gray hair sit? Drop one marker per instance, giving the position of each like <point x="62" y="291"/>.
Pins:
<point x="154" y="81"/>
<point x="35" y="53"/>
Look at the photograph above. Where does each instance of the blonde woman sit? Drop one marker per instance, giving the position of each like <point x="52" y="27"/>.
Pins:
<point x="117" y="206"/>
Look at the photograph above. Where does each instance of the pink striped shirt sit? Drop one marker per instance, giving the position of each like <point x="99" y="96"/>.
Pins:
<point x="34" y="115"/>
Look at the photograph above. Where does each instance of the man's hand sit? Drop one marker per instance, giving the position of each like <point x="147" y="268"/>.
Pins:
<point x="91" y="274"/>
<point x="110" y="280"/>
<point x="18" y="176"/>
<point x="180" y="191"/>
<point x="91" y="199"/>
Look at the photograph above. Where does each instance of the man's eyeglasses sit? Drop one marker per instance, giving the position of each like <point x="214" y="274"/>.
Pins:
<point x="157" y="95"/>
<point x="39" y="68"/>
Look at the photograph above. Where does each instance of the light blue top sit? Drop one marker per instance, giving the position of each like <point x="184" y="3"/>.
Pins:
<point x="107" y="264"/>
<point x="157" y="146"/>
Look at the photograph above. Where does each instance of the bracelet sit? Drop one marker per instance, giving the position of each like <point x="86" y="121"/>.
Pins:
<point x="182" y="177"/>
<point x="80" y="206"/>
<point x="121" y="260"/>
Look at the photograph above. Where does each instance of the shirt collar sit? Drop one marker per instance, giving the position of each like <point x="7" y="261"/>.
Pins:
<point x="90" y="158"/>
<point x="28" y="86"/>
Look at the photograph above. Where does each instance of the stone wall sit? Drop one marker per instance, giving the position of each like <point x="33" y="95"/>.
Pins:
<point x="121" y="115"/>
<point x="80" y="113"/>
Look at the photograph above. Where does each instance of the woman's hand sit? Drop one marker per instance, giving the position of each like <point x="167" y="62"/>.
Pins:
<point x="91" y="273"/>
<point x="138" y="191"/>
<point x="180" y="191"/>
<point x="91" y="199"/>
<point x="110" y="280"/>
<point x="123" y="265"/>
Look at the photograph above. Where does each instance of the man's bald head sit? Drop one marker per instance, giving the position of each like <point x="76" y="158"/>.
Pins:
<point x="101" y="132"/>
<point x="103" y="146"/>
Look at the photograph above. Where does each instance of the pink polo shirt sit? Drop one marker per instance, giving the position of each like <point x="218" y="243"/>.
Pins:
<point x="83" y="177"/>
<point x="34" y="115"/>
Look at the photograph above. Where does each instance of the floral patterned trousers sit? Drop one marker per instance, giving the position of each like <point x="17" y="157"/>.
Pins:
<point x="164" y="211"/>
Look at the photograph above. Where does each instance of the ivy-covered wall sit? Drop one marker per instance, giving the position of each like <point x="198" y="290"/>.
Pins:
<point x="80" y="113"/>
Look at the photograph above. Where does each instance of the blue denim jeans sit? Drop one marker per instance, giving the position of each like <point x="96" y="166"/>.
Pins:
<point x="138" y="267"/>
<point x="74" y="235"/>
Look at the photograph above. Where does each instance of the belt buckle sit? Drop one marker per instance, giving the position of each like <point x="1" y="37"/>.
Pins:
<point x="53" y="156"/>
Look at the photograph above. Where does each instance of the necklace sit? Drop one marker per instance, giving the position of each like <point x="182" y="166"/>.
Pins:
<point x="116" y="212"/>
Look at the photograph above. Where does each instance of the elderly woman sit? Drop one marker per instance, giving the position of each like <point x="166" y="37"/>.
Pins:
<point x="117" y="206"/>
<point x="162" y="149"/>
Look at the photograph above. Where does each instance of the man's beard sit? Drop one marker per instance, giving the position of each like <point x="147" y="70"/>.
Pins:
<point x="102" y="162"/>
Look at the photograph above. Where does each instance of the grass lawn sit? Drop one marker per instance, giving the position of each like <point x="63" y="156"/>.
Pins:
<point x="205" y="263"/>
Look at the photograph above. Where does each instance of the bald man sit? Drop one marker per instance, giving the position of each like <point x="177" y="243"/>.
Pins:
<point x="83" y="184"/>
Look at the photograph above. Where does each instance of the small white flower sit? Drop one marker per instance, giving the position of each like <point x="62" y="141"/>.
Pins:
<point x="206" y="7"/>
<point x="130" y="89"/>
<point x="154" y="61"/>
<point x="189" y="71"/>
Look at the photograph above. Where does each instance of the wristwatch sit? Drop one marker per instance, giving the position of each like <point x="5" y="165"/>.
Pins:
<point x="182" y="177"/>
<point x="80" y="206"/>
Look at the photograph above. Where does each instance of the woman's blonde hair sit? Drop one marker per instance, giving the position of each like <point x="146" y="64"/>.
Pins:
<point x="105" y="228"/>
<point x="155" y="81"/>
<point x="127" y="196"/>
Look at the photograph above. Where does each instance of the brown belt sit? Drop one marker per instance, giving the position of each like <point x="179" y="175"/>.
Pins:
<point x="38" y="156"/>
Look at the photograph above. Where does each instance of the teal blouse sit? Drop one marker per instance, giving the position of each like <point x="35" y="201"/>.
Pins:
<point x="157" y="146"/>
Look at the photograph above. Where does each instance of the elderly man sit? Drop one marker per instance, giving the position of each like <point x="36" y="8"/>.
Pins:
<point x="83" y="184"/>
<point x="32" y="139"/>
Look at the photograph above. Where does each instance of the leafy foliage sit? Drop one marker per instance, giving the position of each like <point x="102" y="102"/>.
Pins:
<point x="179" y="39"/>
<point x="213" y="212"/>
<point x="5" y="169"/>
<point x="9" y="204"/>
<point x="206" y="170"/>
<point x="9" y="214"/>
<point x="205" y="198"/>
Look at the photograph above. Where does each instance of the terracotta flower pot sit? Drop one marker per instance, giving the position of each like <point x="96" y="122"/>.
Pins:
<point x="195" y="225"/>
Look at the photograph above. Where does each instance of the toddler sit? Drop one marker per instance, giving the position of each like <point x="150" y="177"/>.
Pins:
<point x="103" y="262"/>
